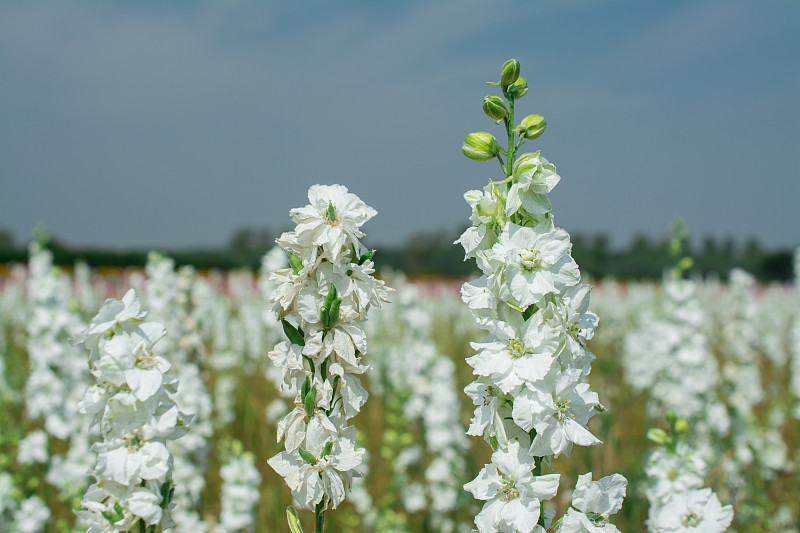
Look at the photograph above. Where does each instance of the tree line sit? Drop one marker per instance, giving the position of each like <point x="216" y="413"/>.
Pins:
<point x="434" y="254"/>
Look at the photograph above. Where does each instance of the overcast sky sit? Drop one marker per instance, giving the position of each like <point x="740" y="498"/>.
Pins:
<point x="171" y="124"/>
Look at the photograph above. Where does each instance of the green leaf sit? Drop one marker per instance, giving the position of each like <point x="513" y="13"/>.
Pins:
<point x="295" y="262"/>
<point x="304" y="388"/>
<point x="307" y="456"/>
<point x="529" y="311"/>
<point x="295" y="335"/>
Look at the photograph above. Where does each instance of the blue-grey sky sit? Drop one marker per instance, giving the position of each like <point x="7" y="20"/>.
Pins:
<point x="171" y="124"/>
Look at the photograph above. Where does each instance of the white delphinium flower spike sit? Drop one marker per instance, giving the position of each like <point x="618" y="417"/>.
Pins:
<point x="321" y="302"/>
<point x="132" y="401"/>
<point x="533" y="363"/>
<point x="240" y="493"/>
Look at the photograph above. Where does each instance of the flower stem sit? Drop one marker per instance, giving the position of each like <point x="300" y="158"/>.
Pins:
<point x="537" y="471"/>
<point x="510" y="131"/>
<point x="319" y="513"/>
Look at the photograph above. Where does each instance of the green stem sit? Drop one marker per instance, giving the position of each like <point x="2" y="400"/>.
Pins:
<point x="499" y="182"/>
<point x="502" y="163"/>
<point x="319" y="513"/>
<point x="537" y="471"/>
<point x="510" y="131"/>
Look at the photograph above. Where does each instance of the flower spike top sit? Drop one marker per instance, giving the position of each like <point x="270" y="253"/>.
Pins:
<point x="531" y="401"/>
<point x="331" y="221"/>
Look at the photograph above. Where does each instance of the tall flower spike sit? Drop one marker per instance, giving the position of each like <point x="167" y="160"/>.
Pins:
<point x="132" y="401"/>
<point x="322" y="301"/>
<point x="531" y="401"/>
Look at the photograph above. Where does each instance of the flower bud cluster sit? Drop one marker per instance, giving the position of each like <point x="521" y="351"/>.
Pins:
<point x="321" y="301"/>
<point x="531" y="401"/>
<point x="132" y="403"/>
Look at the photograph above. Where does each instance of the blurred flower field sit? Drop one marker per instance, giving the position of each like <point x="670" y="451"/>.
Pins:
<point x="723" y="357"/>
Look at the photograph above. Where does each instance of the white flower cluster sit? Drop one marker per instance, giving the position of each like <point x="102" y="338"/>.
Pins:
<point x="55" y="365"/>
<point x="668" y="355"/>
<point x="422" y="410"/>
<point x="240" y="495"/>
<point x="30" y="515"/>
<point x="678" y="501"/>
<point x="328" y="291"/>
<point x="531" y="401"/>
<point x="58" y="376"/>
<point x="168" y="297"/>
<point x="132" y="402"/>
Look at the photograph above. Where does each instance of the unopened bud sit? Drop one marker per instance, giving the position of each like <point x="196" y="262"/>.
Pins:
<point x="310" y="400"/>
<point x="518" y="89"/>
<point x="495" y="108"/>
<point x="509" y="72"/>
<point x="532" y="126"/>
<point x="294" y="520"/>
<point x="326" y="451"/>
<point x="333" y="312"/>
<point x="307" y="456"/>
<point x="480" y="146"/>
<point x="658" y="436"/>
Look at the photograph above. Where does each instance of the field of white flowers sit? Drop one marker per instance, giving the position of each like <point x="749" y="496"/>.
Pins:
<point x="171" y="399"/>
<point x="723" y="356"/>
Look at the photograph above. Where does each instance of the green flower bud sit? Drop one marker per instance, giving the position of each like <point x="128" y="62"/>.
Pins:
<point x="531" y="126"/>
<point x="331" y="296"/>
<point x="681" y="425"/>
<point x="295" y="262"/>
<point x="333" y="312"/>
<point x="366" y="257"/>
<point x="658" y="436"/>
<point x="518" y="89"/>
<point x="326" y="451"/>
<point x="307" y="456"/>
<point x="494" y="107"/>
<point x="509" y="72"/>
<point x="294" y="520"/>
<point x="480" y="146"/>
<point x="330" y="213"/>
<point x="310" y="400"/>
